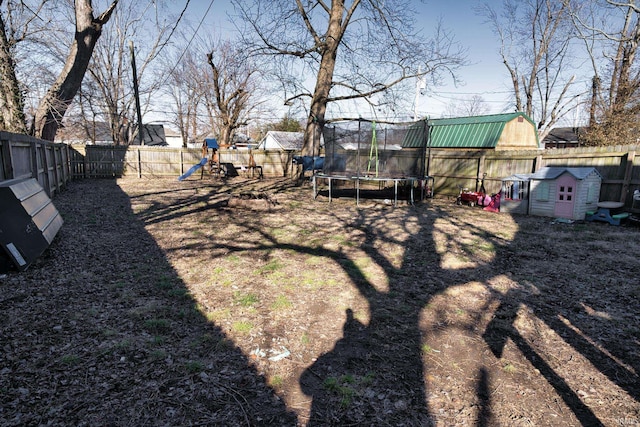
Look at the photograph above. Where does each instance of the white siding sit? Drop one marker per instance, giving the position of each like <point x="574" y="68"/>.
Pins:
<point x="588" y="196"/>
<point x="542" y="198"/>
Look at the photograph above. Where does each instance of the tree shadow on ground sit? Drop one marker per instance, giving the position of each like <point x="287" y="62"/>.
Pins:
<point x="146" y="354"/>
<point x="376" y="373"/>
<point x="102" y="331"/>
<point x="378" y="369"/>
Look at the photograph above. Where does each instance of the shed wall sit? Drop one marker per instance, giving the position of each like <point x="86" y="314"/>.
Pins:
<point x="518" y="134"/>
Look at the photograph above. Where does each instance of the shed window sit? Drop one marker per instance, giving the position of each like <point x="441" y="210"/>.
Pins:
<point x="542" y="192"/>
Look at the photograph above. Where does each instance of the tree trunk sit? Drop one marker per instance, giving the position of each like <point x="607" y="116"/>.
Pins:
<point x="595" y="91"/>
<point x="318" y="107"/>
<point x="55" y="103"/>
<point x="11" y="100"/>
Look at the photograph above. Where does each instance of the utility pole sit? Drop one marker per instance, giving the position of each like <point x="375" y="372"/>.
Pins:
<point x="136" y="94"/>
<point x="421" y="85"/>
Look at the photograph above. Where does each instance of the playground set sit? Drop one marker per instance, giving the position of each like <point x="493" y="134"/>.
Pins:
<point x="216" y="168"/>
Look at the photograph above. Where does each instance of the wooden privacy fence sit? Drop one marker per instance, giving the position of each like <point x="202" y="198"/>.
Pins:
<point x="53" y="165"/>
<point x="618" y="165"/>
<point x="94" y="161"/>
<point x="23" y="156"/>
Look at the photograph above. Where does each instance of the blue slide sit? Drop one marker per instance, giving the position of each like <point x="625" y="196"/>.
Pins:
<point x="194" y="168"/>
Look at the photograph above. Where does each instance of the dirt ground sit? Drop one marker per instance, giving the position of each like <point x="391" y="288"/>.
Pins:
<point x="249" y="303"/>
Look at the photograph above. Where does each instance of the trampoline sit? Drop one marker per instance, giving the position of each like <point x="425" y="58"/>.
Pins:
<point x="389" y="156"/>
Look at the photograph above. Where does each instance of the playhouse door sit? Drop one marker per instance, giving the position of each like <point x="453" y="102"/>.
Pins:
<point x="565" y="196"/>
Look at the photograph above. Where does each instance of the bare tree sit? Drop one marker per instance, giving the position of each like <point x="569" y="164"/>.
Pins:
<point x="55" y="103"/>
<point x="354" y="50"/>
<point x="535" y="40"/>
<point x="16" y="25"/>
<point x="185" y="90"/>
<point x="231" y="90"/>
<point x="472" y="106"/>
<point x="213" y="87"/>
<point x="111" y="68"/>
<point x="11" y="101"/>
<point x="610" y="31"/>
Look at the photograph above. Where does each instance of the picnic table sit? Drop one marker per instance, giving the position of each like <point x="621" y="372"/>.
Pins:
<point x="604" y="213"/>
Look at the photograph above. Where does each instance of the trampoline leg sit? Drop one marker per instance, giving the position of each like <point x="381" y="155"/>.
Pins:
<point x="329" y="190"/>
<point x="412" y="199"/>
<point x="315" y="193"/>
<point x="395" y="190"/>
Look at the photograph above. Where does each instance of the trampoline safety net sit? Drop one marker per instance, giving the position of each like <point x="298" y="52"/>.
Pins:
<point x="369" y="149"/>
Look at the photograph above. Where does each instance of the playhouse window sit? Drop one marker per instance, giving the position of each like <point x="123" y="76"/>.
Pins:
<point x="565" y="193"/>
<point x="591" y="194"/>
<point x="542" y="191"/>
<point x="514" y="190"/>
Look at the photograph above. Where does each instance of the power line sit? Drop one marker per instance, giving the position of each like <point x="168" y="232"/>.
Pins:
<point x="487" y="92"/>
<point x="184" y="51"/>
<point x="176" y="25"/>
<point x="454" y="98"/>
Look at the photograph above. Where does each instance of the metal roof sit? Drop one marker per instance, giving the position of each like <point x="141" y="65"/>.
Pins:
<point x="415" y="136"/>
<point x="471" y="132"/>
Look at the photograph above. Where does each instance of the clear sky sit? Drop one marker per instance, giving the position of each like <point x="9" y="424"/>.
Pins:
<point x="486" y="76"/>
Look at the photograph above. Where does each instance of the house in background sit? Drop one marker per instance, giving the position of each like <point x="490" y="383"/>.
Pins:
<point x="153" y="135"/>
<point x="512" y="131"/>
<point x="563" y="137"/>
<point x="99" y="133"/>
<point x="173" y="138"/>
<point x="282" y="141"/>
<point x="90" y="133"/>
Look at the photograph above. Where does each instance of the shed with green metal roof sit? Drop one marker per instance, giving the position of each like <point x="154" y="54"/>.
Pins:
<point x="511" y="131"/>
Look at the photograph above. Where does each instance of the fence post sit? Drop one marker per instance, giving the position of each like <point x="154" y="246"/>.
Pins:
<point x="7" y="159"/>
<point x="85" y="162"/>
<point x="34" y="160"/>
<point x="481" y="168"/>
<point x="631" y="155"/>
<point x="54" y="150"/>
<point x="46" y="184"/>
<point x="537" y="163"/>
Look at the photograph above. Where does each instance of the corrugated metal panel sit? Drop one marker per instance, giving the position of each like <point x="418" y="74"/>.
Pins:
<point x="28" y="220"/>
<point x="469" y="132"/>
<point x="415" y="136"/>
